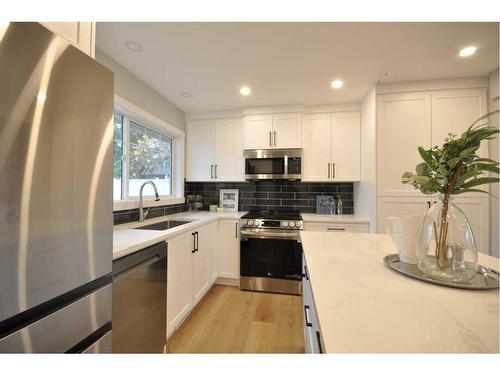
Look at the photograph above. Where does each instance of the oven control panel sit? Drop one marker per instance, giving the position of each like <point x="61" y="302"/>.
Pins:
<point x="272" y="224"/>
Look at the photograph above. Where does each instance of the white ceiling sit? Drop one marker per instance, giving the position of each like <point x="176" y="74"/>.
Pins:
<point x="293" y="63"/>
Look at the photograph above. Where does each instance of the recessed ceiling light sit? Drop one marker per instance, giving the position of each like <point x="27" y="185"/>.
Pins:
<point x="337" y="84"/>
<point x="133" y="45"/>
<point x="185" y="94"/>
<point x="245" y="91"/>
<point x="467" y="51"/>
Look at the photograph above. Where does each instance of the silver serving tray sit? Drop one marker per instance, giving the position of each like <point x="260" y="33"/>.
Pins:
<point x="485" y="278"/>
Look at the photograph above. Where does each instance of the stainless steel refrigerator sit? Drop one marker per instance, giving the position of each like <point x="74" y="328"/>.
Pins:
<point x="56" y="129"/>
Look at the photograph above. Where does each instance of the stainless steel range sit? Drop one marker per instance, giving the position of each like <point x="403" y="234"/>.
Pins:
<point x="271" y="252"/>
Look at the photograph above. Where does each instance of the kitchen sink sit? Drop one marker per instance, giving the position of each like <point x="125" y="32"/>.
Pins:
<point x="164" y="225"/>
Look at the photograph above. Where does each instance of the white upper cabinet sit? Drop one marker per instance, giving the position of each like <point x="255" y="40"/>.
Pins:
<point x="214" y="150"/>
<point x="258" y="131"/>
<point x="283" y="130"/>
<point x="346" y="146"/>
<point x="228" y="150"/>
<point x="331" y="147"/>
<point x="453" y="111"/>
<point x="404" y="123"/>
<point x="200" y="150"/>
<point x="316" y="148"/>
<point x="287" y="130"/>
<point x="80" y="34"/>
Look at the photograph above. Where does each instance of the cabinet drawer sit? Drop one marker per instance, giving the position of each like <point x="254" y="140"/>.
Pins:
<point x="337" y="227"/>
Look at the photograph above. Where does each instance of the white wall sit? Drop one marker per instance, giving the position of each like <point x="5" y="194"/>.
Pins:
<point x="132" y="89"/>
<point x="365" y="191"/>
<point x="493" y="100"/>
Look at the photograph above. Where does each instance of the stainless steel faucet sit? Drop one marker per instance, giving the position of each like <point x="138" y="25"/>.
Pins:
<point x="143" y="214"/>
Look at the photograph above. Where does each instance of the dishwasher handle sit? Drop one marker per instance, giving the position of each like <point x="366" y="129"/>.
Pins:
<point x="139" y="259"/>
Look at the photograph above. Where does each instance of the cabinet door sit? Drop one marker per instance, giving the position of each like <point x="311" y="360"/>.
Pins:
<point x="453" y="111"/>
<point x="201" y="277"/>
<point x="214" y="251"/>
<point x="287" y="130"/>
<point x="80" y="34"/>
<point x="179" y="279"/>
<point x="228" y="150"/>
<point x="346" y="146"/>
<point x="477" y="211"/>
<point x="404" y="123"/>
<point x="316" y="147"/>
<point x="229" y="249"/>
<point x="200" y="150"/>
<point x="400" y="206"/>
<point x="258" y="131"/>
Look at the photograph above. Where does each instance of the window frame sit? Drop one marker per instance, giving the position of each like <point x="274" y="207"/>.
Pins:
<point x="132" y="113"/>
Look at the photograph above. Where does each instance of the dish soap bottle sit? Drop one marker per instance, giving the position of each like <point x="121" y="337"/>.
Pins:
<point x="340" y="206"/>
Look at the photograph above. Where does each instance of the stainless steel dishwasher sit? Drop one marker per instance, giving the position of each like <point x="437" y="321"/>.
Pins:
<point x="140" y="301"/>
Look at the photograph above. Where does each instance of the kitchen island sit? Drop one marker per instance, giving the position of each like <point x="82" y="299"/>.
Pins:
<point x="363" y="307"/>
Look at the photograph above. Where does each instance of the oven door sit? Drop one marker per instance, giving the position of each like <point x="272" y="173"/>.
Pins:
<point x="271" y="262"/>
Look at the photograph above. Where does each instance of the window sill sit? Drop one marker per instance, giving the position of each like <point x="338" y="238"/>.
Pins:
<point x="148" y="202"/>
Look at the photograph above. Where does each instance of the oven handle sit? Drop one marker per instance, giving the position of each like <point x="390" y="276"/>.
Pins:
<point x="270" y="235"/>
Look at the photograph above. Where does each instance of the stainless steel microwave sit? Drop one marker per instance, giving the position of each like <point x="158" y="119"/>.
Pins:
<point x="273" y="164"/>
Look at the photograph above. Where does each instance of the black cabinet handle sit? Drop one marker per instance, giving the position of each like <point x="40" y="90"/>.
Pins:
<point x="197" y="241"/>
<point x="308" y="323"/>
<point x="318" y="338"/>
<point x="194" y="242"/>
<point x="428" y="204"/>
<point x="236" y="231"/>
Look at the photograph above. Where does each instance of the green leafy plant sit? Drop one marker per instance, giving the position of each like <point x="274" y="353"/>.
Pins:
<point x="454" y="168"/>
<point x="212" y="201"/>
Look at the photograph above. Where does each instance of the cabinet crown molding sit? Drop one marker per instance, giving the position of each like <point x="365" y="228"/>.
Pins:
<point x="432" y="85"/>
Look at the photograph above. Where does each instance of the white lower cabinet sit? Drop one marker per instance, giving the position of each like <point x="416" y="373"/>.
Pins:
<point x="179" y="279"/>
<point x="476" y="210"/>
<point x="201" y="262"/>
<point x="195" y="259"/>
<point x="229" y="249"/>
<point x="312" y="333"/>
<point x="337" y="227"/>
<point x="214" y="251"/>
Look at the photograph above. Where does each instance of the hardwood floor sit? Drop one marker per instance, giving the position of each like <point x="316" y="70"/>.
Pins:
<point x="229" y="320"/>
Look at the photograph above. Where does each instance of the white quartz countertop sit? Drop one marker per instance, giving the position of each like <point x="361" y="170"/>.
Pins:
<point x="341" y="219"/>
<point x="127" y="240"/>
<point x="363" y="307"/>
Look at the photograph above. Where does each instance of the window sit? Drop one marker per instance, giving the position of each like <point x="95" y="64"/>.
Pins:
<point x="140" y="155"/>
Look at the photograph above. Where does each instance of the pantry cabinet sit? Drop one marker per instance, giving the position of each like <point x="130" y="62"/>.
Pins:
<point x="404" y="124"/>
<point x="229" y="249"/>
<point x="79" y="34"/>
<point x="214" y="150"/>
<point x="282" y="130"/>
<point x="406" y="121"/>
<point x="331" y="147"/>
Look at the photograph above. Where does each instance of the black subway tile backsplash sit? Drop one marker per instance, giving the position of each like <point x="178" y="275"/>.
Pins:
<point x="277" y="194"/>
<point x="280" y="195"/>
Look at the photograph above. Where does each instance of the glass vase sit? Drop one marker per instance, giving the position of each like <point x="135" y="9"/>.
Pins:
<point x="446" y="248"/>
